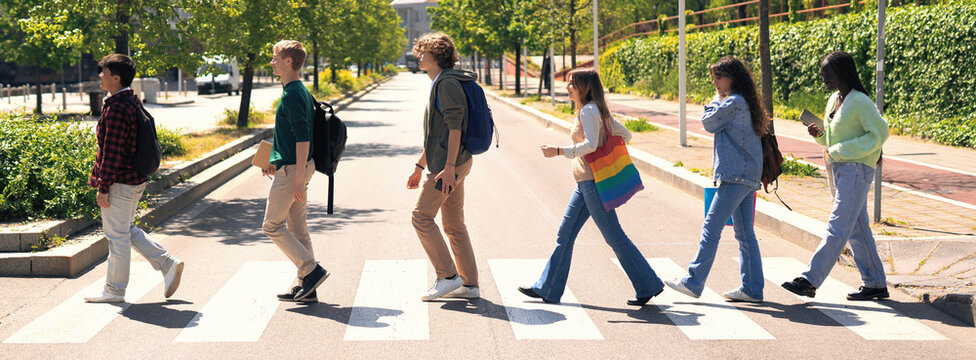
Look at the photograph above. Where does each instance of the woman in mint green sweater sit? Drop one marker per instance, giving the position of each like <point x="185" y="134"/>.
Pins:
<point x="854" y="133"/>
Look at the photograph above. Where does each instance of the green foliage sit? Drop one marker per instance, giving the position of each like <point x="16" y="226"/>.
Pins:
<point x="640" y="125"/>
<point x="793" y="167"/>
<point x="565" y="109"/>
<point x="229" y="117"/>
<point x="44" y="169"/>
<point x="949" y="130"/>
<point x="390" y="70"/>
<point x="171" y="142"/>
<point x="326" y="90"/>
<point x="530" y="99"/>
<point x="930" y="52"/>
<point x="344" y="80"/>
<point x="47" y="242"/>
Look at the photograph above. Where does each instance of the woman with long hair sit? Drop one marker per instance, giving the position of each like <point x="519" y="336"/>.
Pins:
<point x="738" y="120"/>
<point x="853" y="134"/>
<point x="586" y="91"/>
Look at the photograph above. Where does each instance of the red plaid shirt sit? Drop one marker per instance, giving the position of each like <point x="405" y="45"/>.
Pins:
<point x="116" y="133"/>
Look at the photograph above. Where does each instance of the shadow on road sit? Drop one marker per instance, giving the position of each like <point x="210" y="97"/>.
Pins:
<point x="378" y="150"/>
<point x="491" y="310"/>
<point x="342" y="314"/>
<point x="160" y="315"/>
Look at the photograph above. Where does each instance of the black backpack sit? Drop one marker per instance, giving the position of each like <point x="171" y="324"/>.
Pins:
<point x="148" y="152"/>
<point x="328" y="142"/>
<point x="772" y="164"/>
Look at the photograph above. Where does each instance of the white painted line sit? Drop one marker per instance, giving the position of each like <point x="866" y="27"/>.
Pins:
<point x="930" y="196"/>
<point x="871" y="320"/>
<point x="532" y="319"/>
<point x="75" y="321"/>
<point x="387" y="305"/>
<point x="709" y="317"/>
<point x="242" y="309"/>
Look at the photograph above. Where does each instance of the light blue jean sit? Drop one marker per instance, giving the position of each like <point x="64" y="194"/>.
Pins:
<point x="586" y="203"/>
<point x="739" y="202"/>
<point x="849" y="221"/>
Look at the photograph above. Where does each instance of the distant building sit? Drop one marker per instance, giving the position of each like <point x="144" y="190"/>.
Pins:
<point x="413" y="19"/>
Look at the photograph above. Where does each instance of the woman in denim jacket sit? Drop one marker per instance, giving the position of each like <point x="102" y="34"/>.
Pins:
<point x="737" y="120"/>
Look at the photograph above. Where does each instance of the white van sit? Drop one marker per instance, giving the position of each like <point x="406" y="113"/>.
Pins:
<point x="227" y="79"/>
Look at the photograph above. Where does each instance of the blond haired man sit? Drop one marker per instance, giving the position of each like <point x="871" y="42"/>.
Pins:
<point x="292" y="167"/>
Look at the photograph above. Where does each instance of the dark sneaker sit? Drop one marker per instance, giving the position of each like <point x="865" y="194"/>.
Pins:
<point x="310" y="282"/>
<point x="290" y="296"/>
<point x="867" y="293"/>
<point x="801" y="286"/>
<point x="532" y="294"/>
<point x="641" y="301"/>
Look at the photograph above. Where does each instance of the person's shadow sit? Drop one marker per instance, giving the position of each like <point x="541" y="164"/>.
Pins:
<point x="342" y="314"/>
<point x="514" y="314"/>
<point x="160" y="314"/>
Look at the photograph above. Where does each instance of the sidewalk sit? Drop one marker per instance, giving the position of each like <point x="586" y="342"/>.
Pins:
<point x="927" y="238"/>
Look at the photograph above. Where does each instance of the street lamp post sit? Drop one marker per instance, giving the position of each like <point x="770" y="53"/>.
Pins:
<point x="596" y="39"/>
<point x="879" y="94"/>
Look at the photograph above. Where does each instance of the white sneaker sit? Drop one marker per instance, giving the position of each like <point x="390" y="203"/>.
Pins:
<point x="105" y="298"/>
<point x="465" y="292"/>
<point x="172" y="277"/>
<point x="739" y="295"/>
<point x="679" y="286"/>
<point x="442" y="287"/>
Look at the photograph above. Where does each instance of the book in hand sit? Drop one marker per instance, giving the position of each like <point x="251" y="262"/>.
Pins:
<point x="807" y="118"/>
<point x="262" y="159"/>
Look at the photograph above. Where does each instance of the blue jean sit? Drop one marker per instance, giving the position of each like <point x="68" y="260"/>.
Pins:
<point x="586" y="203"/>
<point x="849" y="221"/>
<point x="739" y="202"/>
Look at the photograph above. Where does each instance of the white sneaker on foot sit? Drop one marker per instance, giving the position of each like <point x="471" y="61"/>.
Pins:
<point x="679" y="286"/>
<point x="105" y="298"/>
<point x="465" y="292"/>
<point x="739" y="295"/>
<point x="172" y="277"/>
<point x="442" y="287"/>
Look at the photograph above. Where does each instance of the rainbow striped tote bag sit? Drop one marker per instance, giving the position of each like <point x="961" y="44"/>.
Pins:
<point x="616" y="177"/>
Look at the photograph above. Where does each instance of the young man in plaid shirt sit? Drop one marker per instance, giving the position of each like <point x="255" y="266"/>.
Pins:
<point x="120" y="186"/>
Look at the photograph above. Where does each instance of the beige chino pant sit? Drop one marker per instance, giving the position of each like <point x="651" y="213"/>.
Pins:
<point x="293" y="239"/>
<point x="451" y="207"/>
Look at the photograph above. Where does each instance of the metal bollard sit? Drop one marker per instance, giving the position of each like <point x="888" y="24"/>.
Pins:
<point x="10" y="94"/>
<point x="81" y="92"/>
<point x="166" y="90"/>
<point x="64" y="98"/>
<point x="26" y="92"/>
<point x="54" y="89"/>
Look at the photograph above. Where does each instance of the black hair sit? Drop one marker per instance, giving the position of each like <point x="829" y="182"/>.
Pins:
<point x="744" y="85"/>
<point x="121" y="66"/>
<point x="844" y="69"/>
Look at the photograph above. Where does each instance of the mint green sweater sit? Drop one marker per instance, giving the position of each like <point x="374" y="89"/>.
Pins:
<point x="857" y="131"/>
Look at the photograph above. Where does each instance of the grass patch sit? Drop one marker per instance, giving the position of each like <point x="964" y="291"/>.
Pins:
<point x="197" y="145"/>
<point x="254" y="117"/>
<point x="530" y="99"/>
<point x="565" y="109"/>
<point x="171" y="142"/>
<point x="793" y="167"/>
<point x="640" y="125"/>
<point x="679" y="164"/>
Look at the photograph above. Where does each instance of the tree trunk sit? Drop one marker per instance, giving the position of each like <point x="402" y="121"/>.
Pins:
<point x="572" y="32"/>
<point x="542" y="74"/>
<point x="501" y="72"/>
<point x="242" y="114"/>
<point x="518" y="68"/>
<point x="334" y="73"/>
<point x="359" y="69"/>
<point x="122" y="17"/>
<point x="315" y="65"/>
<point x="742" y="15"/>
<point x="764" y="65"/>
<point x="487" y="72"/>
<point x="37" y="81"/>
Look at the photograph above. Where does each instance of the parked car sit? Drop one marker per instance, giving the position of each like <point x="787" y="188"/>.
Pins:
<point x="219" y="75"/>
<point x="412" y="64"/>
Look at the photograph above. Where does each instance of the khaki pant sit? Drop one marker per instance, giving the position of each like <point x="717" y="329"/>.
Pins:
<point x="293" y="239"/>
<point x="452" y="216"/>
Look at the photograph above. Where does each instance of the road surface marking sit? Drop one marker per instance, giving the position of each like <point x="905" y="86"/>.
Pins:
<point x="388" y="305"/>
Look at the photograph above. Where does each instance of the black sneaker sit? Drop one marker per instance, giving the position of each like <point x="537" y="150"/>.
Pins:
<point x="290" y="296"/>
<point x="867" y="293"/>
<point x="532" y="294"/>
<point x="310" y="282"/>
<point x="801" y="286"/>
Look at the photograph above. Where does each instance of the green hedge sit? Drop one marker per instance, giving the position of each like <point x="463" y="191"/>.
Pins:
<point x="44" y="169"/>
<point x="930" y="51"/>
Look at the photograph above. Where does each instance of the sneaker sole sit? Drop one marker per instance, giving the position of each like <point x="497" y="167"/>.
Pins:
<point x="682" y="290"/>
<point x="800" y="293"/>
<point x="429" y="298"/>
<point x="734" y="299"/>
<point x="176" y="281"/>
<point x="879" y="297"/>
<point x="316" y="286"/>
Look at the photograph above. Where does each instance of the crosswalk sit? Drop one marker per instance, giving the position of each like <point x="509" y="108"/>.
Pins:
<point x="387" y="307"/>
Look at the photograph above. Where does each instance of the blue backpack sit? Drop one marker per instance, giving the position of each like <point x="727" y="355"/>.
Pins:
<point x="481" y="127"/>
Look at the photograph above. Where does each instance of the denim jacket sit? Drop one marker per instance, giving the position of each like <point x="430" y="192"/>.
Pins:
<point x="737" y="153"/>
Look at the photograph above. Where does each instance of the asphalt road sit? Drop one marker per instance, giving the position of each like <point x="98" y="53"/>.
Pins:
<point x="370" y="307"/>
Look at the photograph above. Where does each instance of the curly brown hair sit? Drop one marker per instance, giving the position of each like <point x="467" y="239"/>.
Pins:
<point x="440" y="45"/>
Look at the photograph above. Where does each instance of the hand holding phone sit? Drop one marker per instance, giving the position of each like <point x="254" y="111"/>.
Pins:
<point x="440" y="184"/>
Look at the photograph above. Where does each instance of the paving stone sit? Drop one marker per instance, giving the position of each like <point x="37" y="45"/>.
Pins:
<point x="907" y="254"/>
<point x="947" y="253"/>
<point x="15" y="264"/>
<point x="9" y="242"/>
<point x="962" y="267"/>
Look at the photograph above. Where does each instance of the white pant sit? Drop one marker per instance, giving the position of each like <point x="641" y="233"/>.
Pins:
<point x="122" y="233"/>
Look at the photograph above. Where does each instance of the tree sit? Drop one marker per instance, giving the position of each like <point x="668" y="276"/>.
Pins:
<point x="764" y="65"/>
<point x="244" y="31"/>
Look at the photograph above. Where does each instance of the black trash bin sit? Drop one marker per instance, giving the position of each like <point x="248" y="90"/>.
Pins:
<point x="95" y="100"/>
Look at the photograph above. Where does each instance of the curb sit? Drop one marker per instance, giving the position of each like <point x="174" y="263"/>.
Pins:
<point x="91" y="246"/>
<point x="790" y="225"/>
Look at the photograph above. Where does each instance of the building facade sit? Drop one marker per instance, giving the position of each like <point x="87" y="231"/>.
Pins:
<point x="414" y="20"/>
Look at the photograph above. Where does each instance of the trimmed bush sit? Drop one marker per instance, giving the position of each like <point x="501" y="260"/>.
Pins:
<point x="171" y="142"/>
<point x="44" y="169"/>
<point x="929" y="55"/>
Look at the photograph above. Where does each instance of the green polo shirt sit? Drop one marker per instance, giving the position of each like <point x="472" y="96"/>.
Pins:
<point x="293" y="124"/>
